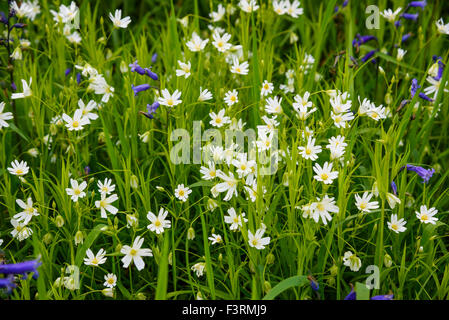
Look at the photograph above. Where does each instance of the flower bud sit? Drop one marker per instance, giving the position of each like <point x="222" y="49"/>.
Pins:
<point x="48" y="238"/>
<point x="333" y="270"/>
<point x="270" y="258"/>
<point x="79" y="237"/>
<point x="266" y="286"/>
<point x="387" y="260"/>
<point x="141" y="296"/>
<point x="108" y="292"/>
<point x="190" y="234"/>
<point x="59" y="221"/>
<point x="134" y="181"/>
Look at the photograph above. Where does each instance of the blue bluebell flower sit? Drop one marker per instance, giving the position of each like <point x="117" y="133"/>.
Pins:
<point x="397" y="23"/>
<point x="383" y="297"/>
<point x="410" y="16"/>
<point x="313" y="283"/>
<point x="140" y="88"/>
<point x="414" y="88"/>
<point x="154" y="58"/>
<point x="351" y="295"/>
<point x="13" y="86"/>
<point x="420" y="4"/>
<point x="3" y="18"/>
<point x="136" y="68"/>
<point x="394" y="187"/>
<point x="151" y="110"/>
<point x="8" y="283"/>
<point x="368" y="56"/>
<point x="406" y="37"/>
<point x="67" y="71"/>
<point x="151" y="74"/>
<point x="78" y="78"/>
<point x="86" y="170"/>
<point x="425" y="174"/>
<point x="359" y="40"/>
<point x="21" y="268"/>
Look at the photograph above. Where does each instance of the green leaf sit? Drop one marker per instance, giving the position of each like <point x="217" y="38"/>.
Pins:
<point x="284" y="285"/>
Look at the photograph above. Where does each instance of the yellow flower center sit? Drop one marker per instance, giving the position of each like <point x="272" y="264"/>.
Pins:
<point x="133" y="252"/>
<point x="324" y="176"/>
<point x="75" y="124"/>
<point x="19" y="171"/>
<point x="181" y="192"/>
<point x="170" y="102"/>
<point x="157" y="223"/>
<point x="424" y="217"/>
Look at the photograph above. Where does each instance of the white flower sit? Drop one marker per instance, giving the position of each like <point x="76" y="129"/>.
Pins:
<point x="293" y="9"/>
<point x="322" y="208"/>
<point x="434" y="87"/>
<point x="377" y="113"/>
<point x="18" y="169"/>
<point x="337" y="146"/>
<point x="74" y="37"/>
<point x="325" y="173"/>
<point x="196" y="43"/>
<point x="273" y="105"/>
<point x="28" y="211"/>
<point x="4" y="116"/>
<point x="95" y="260"/>
<point x="218" y="15"/>
<point x="106" y="187"/>
<point x="392" y="200"/>
<point x="16" y="54"/>
<point x="427" y="215"/>
<point x="77" y="190"/>
<point x="341" y="119"/>
<point x="236" y="221"/>
<point x="396" y="225"/>
<point x="270" y="125"/>
<point x="390" y="15"/>
<point x="98" y="84"/>
<point x="26" y="90"/>
<point x="117" y="19"/>
<point x="441" y="27"/>
<point x="310" y="151"/>
<point x="363" y="203"/>
<point x="20" y="231"/>
<point x="170" y="100"/>
<point x="105" y="204"/>
<point x="205" y="95"/>
<point x="215" y="238"/>
<point x="256" y="241"/>
<point x="302" y="105"/>
<point x="158" y="223"/>
<point x="135" y="253"/>
<point x="248" y="6"/>
<point x="221" y="41"/>
<point x="280" y="7"/>
<point x="352" y="261"/>
<point x="401" y="54"/>
<point x="208" y="173"/>
<point x="199" y="268"/>
<point x="182" y="193"/>
<point x="1" y="242"/>
<point x="218" y="120"/>
<point x="86" y="110"/>
<point x="231" y="97"/>
<point x="110" y="280"/>
<point x="239" y="68"/>
<point x="77" y="122"/>
<point x="267" y="88"/>
<point x="229" y="185"/>
<point x="185" y="69"/>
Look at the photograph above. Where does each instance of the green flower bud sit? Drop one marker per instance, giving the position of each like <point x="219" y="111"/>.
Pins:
<point x="190" y="234"/>
<point x="387" y="260"/>
<point x="333" y="270"/>
<point x="134" y="181"/>
<point x="48" y="238"/>
<point x="270" y="258"/>
<point x="141" y="296"/>
<point x="59" y="221"/>
<point x="79" y="237"/>
<point x="266" y="286"/>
